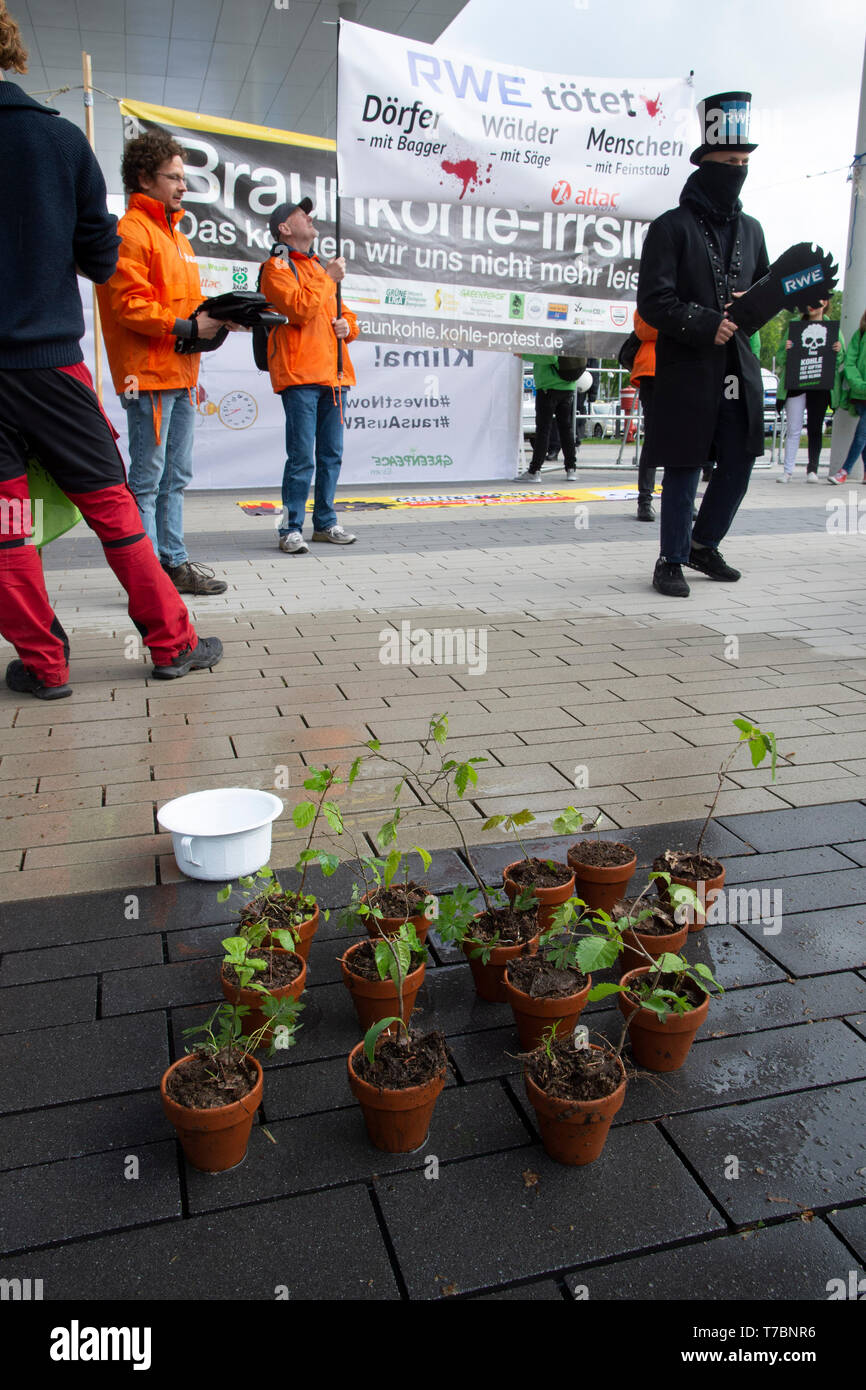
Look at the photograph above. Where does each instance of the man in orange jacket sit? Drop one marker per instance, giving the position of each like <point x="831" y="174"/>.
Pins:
<point x="642" y="376"/>
<point x="302" y="360"/>
<point x="145" y="307"/>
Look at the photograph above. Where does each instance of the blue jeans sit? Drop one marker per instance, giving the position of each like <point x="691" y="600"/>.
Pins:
<point x="314" y="438"/>
<point x="725" y="490"/>
<point x="160" y="473"/>
<point x="859" y="440"/>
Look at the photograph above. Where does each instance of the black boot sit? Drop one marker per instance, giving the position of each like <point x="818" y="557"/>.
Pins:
<point x="645" y="509"/>
<point x="668" y="580"/>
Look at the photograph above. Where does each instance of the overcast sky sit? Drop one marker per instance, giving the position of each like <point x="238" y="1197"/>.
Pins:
<point x="801" y="60"/>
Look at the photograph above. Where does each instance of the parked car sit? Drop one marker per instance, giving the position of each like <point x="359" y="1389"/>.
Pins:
<point x="602" y="419"/>
<point x="771" y="386"/>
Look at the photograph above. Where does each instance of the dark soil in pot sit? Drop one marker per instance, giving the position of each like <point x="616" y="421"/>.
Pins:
<point x="661" y="923"/>
<point x="403" y="901"/>
<point x="282" y="968"/>
<point x="282" y="913"/>
<point x="400" y="1065"/>
<point x="511" y="926"/>
<point x="540" y="873"/>
<point x="193" y="1085"/>
<point x="600" y="854"/>
<point x="362" y="962"/>
<point x="699" y="867"/>
<point x="539" y="979"/>
<point x="583" y="1075"/>
<point x="689" y="988"/>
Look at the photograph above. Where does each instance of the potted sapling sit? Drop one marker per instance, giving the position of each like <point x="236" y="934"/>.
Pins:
<point x="602" y="868"/>
<point x="548" y="988"/>
<point x="703" y="873"/>
<point x="392" y="897"/>
<point x="575" y="1089"/>
<point x="551" y="883"/>
<point x="384" y="975"/>
<point x="211" y="1094"/>
<point x="647" y="926"/>
<point x="251" y="974"/>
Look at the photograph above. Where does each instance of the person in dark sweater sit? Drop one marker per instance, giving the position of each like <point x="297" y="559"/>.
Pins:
<point x="54" y="225"/>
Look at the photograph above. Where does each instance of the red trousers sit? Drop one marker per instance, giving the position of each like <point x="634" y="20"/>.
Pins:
<point x="54" y="415"/>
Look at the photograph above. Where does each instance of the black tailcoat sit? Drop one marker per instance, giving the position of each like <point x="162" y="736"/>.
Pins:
<point x="682" y="291"/>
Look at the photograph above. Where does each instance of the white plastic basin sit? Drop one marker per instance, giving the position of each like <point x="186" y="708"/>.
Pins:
<point x="221" y="834"/>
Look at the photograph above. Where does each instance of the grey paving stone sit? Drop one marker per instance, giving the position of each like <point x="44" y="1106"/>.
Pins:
<point x="61" y="962"/>
<point x="858" y="1022"/>
<point x="801" y="828"/>
<point x="84" y="1196"/>
<point x="50" y="1003"/>
<point x="851" y="1225"/>
<point x="774" y="1006"/>
<point x="785" y="864"/>
<point x="568" y="1216"/>
<point x="71" y="1131"/>
<point x="856" y="850"/>
<point x="803" y="1151"/>
<point x="81" y="1061"/>
<point x="813" y="941"/>
<point x="159" y="986"/>
<point x="787" y="1263"/>
<point x="543" y="1291"/>
<point x="322" y="1150"/>
<point x="321" y="1247"/>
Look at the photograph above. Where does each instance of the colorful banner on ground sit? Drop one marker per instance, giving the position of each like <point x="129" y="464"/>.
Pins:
<point x="420" y="122"/>
<point x="421" y="274"/>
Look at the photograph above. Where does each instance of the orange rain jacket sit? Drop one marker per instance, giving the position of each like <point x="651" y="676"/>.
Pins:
<point x="303" y="352"/>
<point x="156" y="282"/>
<point x="645" y="360"/>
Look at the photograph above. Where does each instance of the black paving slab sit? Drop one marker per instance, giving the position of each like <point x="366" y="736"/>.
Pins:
<point x="160" y="986"/>
<point x="48" y="1004"/>
<point x="81" y="1061"/>
<point x="779" y="1264"/>
<point x="59" y="962"/>
<point x="800" y="828"/>
<point x="774" y="1006"/>
<point x="321" y="1247"/>
<point x="795" y="1152"/>
<point x="543" y="1291"/>
<point x="851" y="1225"/>
<point x="59" y="1201"/>
<point x="788" y="863"/>
<point x="70" y="1131"/>
<point x="508" y="1230"/>
<point x="810" y="942"/>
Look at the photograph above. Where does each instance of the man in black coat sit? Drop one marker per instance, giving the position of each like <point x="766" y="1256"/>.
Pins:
<point x="708" y="400"/>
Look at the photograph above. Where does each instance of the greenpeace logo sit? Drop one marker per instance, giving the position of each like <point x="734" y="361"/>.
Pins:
<point x="77" y="1343"/>
<point x="802" y="280"/>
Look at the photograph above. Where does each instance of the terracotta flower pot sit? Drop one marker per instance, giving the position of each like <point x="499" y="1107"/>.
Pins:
<point x="389" y="926"/>
<point x="303" y="933"/>
<point x="548" y="898"/>
<point x="488" y="978"/>
<point x="375" y="999"/>
<point x="397" y="1121"/>
<point x="213" y="1140"/>
<point x="255" y="1019"/>
<point x="655" y="1045"/>
<point x="706" y="895"/>
<point x="600" y="888"/>
<point x="654" y="946"/>
<point x="534" y="1016"/>
<point x="574" y="1131"/>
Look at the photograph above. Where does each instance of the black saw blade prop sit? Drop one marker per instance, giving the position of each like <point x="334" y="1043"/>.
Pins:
<point x="245" y="307"/>
<point x="801" y="277"/>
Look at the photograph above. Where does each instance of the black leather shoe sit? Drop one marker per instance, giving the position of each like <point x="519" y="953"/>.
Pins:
<point x="645" y="511"/>
<point x="668" y="580"/>
<point x="710" y="562"/>
<point x="208" y="652"/>
<point x="22" y="680"/>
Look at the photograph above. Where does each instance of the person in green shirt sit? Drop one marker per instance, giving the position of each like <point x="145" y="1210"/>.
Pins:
<point x="853" y="399"/>
<point x="554" y="400"/>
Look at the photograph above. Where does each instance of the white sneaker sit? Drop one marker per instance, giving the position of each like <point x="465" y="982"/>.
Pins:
<point x="336" y="535"/>
<point x="785" y="478"/>
<point x="294" y="544"/>
<point x="811" y="477"/>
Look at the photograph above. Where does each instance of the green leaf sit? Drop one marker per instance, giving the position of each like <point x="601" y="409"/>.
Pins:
<point x="328" y="863"/>
<point x="493" y="823"/>
<point x="303" y="813"/>
<point x="603" y="991"/>
<point x="463" y="776"/>
<point x="569" y="822"/>
<point x="374" y="744"/>
<point x="392" y="864"/>
<point x="425" y="857"/>
<point x="372" y="1036"/>
<point x="522" y="818"/>
<point x="354" y="770"/>
<point x="333" y="817"/>
<point x="597" y="953"/>
<point x="670" y="964"/>
<point x="224" y="894"/>
<point x="743" y="725"/>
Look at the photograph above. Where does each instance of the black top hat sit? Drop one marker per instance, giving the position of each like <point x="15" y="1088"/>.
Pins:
<point x="284" y="210"/>
<point x="724" y="124"/>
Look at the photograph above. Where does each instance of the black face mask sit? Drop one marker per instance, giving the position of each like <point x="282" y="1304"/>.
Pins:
<point x="722" y="182"/>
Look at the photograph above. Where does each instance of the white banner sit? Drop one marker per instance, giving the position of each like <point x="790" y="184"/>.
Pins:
<point x="417" y="414"/>
<point x="422" y="123"/>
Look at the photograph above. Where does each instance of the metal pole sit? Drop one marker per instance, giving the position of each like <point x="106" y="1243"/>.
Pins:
<point x="87" y="77"/>
<point x="854" y="295"/>
<point x="344" y="11"/>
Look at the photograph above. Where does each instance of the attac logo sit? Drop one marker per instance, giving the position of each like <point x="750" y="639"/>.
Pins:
<point x="557" y="311"/>
<point x="619" y="315"/>
<point x="561" y="192"/>
<point x="802" y="280"/>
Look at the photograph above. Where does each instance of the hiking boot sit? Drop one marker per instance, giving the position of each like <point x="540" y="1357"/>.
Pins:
<point x="294" y="544"/>
<point x="668" y="580"/>
<point x="208" y="652"/>
<point x="23" y="681"/>
<point x="645" y="511"/>
<point x="336" y="535"/>
<point x="710" y="562"/>
<point x="189" y="578"/>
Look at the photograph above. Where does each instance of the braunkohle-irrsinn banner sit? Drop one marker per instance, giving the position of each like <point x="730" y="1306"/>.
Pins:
<point x="420" y="122"/>
<point x="421" y="274"/>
